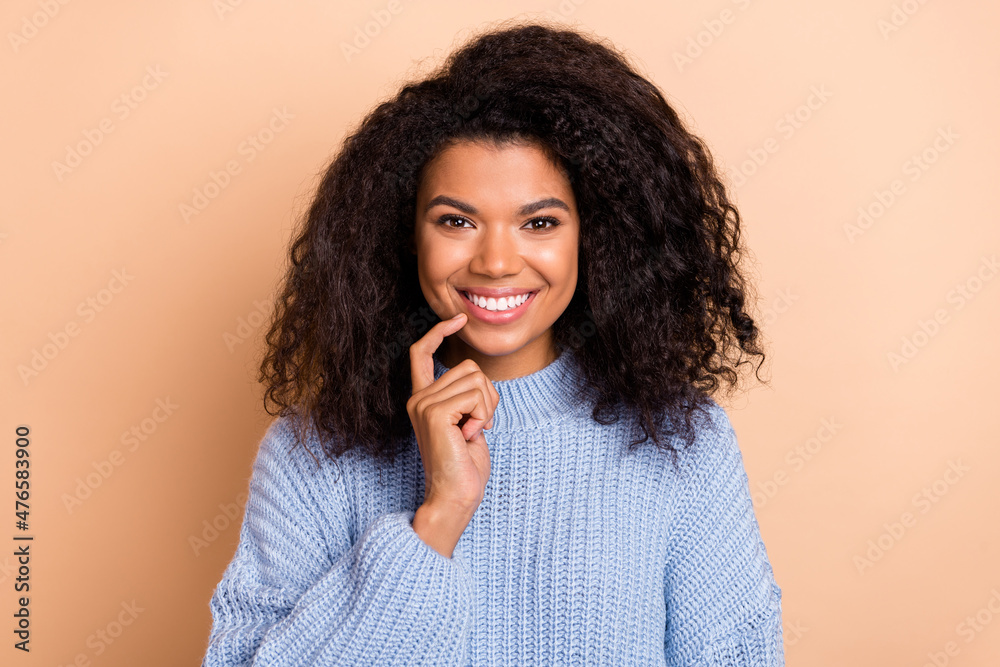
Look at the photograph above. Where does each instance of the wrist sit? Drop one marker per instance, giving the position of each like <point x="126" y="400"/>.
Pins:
<point x="449" y="508"/>
<point x="441" y="526"/>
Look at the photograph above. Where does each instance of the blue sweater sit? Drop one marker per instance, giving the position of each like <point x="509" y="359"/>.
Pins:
<point x="581" y="553"/>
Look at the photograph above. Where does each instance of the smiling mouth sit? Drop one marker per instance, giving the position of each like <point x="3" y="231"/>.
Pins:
<point x="492" y="305"/>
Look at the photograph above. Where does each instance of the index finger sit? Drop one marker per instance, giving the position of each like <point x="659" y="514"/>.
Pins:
<point x="421" y="352"/>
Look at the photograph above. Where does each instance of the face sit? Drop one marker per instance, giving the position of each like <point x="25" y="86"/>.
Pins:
<point x="497" y="222"/>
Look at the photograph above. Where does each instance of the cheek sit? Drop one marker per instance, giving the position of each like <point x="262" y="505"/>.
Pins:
<point x="434" y="266"/>
<point x="428" y="261"/>
<point x="559" y="265"/>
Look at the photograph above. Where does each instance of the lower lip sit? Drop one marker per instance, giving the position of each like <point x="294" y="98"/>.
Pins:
<point x="497" y="316"/>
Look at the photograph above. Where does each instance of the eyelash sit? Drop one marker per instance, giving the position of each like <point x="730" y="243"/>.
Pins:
<point x="445" y="219"/>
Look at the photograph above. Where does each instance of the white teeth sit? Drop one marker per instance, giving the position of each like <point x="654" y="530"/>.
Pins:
<point x="498" y="305"/>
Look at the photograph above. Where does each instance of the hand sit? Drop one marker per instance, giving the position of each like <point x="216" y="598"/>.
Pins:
<point x="448" y="416"/>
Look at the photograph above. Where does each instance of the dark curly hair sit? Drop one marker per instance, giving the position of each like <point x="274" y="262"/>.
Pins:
<point x="660" y="302"/>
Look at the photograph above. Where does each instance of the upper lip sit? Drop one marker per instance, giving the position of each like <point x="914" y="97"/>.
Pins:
<point x="496" y="292"/>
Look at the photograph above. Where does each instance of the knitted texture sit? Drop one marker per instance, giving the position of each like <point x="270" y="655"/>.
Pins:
<point x="581" y="553"/>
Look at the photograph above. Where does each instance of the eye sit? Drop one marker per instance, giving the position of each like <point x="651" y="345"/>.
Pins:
<point x="555" y="223"/>
<point x="446" y="221"/>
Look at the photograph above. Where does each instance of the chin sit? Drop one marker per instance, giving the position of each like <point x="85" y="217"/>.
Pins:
<point x="494" y="348"/>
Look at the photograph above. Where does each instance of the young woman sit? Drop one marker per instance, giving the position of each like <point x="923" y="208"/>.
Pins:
<point x="512" y="298"/>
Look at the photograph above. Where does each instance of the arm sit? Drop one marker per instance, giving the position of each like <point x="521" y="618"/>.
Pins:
<point x="723" y="604"/>
<point x="296" y="594"/>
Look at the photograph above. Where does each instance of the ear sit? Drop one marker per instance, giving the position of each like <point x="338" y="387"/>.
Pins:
<point x="412" y="245"/>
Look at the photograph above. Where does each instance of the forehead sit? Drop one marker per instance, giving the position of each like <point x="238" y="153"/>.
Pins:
<point x="487" y="171"/>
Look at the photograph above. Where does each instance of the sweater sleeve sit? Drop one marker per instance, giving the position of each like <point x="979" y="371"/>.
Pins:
<point x="299" y="593"/>
<point x="723" y="604"/>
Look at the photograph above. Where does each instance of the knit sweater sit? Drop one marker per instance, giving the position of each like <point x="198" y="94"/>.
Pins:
<point x="580" y="553"/>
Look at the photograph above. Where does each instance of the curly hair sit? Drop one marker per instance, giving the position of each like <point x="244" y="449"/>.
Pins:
<point x="659" y="307"/>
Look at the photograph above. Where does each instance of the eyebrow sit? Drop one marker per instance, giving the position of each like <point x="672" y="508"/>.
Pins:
<point x="526" y="209"/>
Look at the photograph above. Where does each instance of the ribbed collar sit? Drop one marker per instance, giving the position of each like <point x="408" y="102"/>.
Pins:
<point x="535" y="399"/>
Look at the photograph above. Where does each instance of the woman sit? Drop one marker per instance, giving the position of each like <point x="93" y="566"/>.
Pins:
<point x="511" y="270"/>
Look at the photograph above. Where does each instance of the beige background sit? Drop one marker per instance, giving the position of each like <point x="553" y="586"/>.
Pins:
<point x="839" y="449"/>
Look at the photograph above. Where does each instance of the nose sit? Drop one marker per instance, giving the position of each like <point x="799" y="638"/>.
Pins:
<point x="497" y="253"/>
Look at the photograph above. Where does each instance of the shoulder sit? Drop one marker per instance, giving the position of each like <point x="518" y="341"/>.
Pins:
<point x="715" y="443"/>
<point x="290" y="451"/>
<point x="312" y="494"/>
<point x="279" y="444"/>
<point x="711" y="473"/>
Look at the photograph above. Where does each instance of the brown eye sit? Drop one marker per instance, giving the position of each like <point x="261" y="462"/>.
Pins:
<point x="555" y="223"/>
<point x="445" y="219"/>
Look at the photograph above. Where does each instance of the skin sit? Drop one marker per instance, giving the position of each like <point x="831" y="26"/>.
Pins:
<point x="497" y="247"/>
